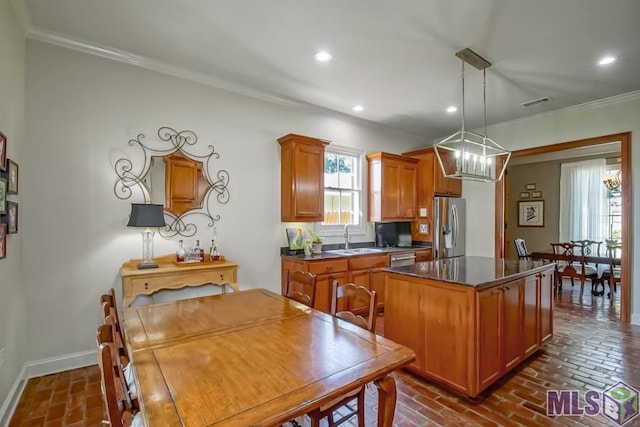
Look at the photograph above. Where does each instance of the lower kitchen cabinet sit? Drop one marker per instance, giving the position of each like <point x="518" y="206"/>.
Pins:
<point x="467" y="338"/>
<point x="362" y="270"/>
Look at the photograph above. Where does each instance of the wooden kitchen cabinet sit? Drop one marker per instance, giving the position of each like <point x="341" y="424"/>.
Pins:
<point x="429" y="183"/>
<point x="326" y="270"/>
<point x="301" y="178"/>
<point x="467" y="338"/>
<point x="392" y="187"/>
<point x="424" y="255"/>
<point x="367" y="271"/>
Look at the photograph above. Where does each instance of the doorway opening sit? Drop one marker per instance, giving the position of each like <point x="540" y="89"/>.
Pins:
<point x="624" y="141"/>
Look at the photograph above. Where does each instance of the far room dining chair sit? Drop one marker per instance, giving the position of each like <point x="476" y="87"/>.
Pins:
<point x="570" y="262"/>
<point x="588" y="248"/>
<point x="521" y="247"/>
<point x="301" y="287"/>
<point x="614" y="273"/>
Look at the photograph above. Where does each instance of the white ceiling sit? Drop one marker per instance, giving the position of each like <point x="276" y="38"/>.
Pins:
<point x="396" y="58"/>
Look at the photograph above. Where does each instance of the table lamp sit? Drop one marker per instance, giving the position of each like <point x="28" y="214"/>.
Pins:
<point x="146" y="215"/>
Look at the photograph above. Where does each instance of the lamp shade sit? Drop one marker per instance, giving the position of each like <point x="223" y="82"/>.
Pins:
<point x="146" y="215"/>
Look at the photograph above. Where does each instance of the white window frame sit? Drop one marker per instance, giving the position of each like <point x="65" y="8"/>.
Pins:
<point x="330" y="230"/>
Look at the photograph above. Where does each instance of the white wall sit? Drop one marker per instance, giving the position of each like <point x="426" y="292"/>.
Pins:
<point x="604" y="117"/>
<point x="82" y="110"/>
<point x="13" y="318"/>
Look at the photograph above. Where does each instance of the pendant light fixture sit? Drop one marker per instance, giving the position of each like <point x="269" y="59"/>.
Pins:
<point x="468" y="155"/>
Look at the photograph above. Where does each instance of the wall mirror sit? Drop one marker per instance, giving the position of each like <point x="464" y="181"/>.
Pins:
<point x="176" y="171"/>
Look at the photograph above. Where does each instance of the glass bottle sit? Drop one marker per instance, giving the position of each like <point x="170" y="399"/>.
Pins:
<point x="199" y="252"/>
<point x="180" y="253"/>
<point x="214" y="253"/>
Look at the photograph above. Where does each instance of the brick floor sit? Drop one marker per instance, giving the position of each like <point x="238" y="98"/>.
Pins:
<point x="589" y="349"/>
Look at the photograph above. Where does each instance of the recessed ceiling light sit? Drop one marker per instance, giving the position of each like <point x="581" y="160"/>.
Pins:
<point x="452" y="109"/>
<point x="358" y="108"/>
<point x="323" y="56"/>
<point x="607" y="60"/>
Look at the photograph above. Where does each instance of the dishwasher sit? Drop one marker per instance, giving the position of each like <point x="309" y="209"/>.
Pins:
<point x="401" y="259"/>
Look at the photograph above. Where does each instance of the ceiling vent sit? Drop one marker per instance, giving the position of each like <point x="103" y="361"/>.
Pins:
<point x="536" y="101"/>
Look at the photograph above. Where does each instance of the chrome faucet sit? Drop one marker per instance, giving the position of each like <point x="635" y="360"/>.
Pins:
<point x="346" y="236"/>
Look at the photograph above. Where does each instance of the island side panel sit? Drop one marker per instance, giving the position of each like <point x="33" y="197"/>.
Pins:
<point x="435" y="320"/>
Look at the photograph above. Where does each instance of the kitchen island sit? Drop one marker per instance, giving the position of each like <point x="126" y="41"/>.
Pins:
<point x="469" y="320"/>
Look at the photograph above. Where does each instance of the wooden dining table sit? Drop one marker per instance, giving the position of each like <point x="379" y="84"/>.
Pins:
<point x="252" y="358"/>
<point x="603" y="264"/>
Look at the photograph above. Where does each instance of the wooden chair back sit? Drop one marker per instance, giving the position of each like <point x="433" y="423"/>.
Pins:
<point x="521" y="248"/>
<point x="301" y="287"/>
<point x="115" y="398"/>
<point x="569" y="259"/>
<point x="349" y="295"/>
<point x="614" y="274"/>
<point x="587" y="247"/>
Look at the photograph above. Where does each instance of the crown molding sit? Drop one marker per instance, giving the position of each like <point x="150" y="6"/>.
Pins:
<point x="106" y="52"/>
<point x="591" y="105"/>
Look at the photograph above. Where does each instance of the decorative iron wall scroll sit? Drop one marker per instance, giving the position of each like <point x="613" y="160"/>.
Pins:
<point x="131" y="177"/>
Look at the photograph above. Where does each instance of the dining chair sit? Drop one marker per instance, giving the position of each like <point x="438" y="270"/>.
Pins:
<point x="108" y="333"/>
<point x="301" y="287"/>
<point x="109" y="305"/>
<point x="120" y="412"/>
<point x="587" y="248"/>
<point x="570" y="262"/>
<point x="521" y="248"/>
<point x="614" y="273"/>
<point x="343" y="297"/>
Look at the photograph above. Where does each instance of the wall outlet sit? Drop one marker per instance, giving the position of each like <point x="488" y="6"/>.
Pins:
<point x="1" y="357"/>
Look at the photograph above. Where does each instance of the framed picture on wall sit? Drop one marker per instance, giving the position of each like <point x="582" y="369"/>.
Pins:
<point x="531" y="186"/>
<point x="11" y="218"/>
<point x="3" y="196"/>
<point x="525" y="195"/>
<point x="536" y="194"/>
<point x="12" y="177"/>
<point x="3" y="241"/>
<point x="3" y="152"/>
<point x="531" y="213"/>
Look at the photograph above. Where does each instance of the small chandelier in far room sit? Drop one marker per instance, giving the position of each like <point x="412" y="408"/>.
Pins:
<point x="468" y="155"/>
<point x="612" y="180"/>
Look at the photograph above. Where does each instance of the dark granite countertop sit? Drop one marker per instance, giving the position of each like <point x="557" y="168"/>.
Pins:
<point x="335" y="252"/>
<point x="472" y="270"/>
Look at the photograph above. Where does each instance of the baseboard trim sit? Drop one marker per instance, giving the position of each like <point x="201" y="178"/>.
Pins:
<point x="13" y="398"/>
<point x="67" y="362"/>
<point x="635" y="319"/>
<point x="39" y="368"/>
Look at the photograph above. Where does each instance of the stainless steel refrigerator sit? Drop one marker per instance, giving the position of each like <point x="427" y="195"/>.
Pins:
<point x="449" y="219"/>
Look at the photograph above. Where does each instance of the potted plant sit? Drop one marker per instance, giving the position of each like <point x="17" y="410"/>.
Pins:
<point x="316" y="241"/>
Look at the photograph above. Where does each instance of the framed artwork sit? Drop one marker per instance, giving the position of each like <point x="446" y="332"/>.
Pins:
<point x="12" y="177"/>
<point x="525" y="195"/>
<point x="536" y="194"/>
<point x="3" y="152"/>
<point x="531" y="186"/>
<point x="3" y="196"/>
<point x="531" y="214"/>
<point x="3" y="241"/>
<point x="11" y="218"/>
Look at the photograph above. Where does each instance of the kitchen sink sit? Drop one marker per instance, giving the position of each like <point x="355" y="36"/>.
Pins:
<point x="356" y="251"/>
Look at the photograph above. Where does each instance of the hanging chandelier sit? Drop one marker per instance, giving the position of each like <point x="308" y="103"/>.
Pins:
<point x="468" y="155"/>
<point x="612" y="180"/>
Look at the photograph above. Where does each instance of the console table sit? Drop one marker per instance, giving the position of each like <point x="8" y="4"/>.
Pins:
<point x="169" y="275"/>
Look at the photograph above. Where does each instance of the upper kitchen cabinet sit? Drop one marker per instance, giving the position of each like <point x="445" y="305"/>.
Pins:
<point x="302" y="178"/>
<point x="432" y="177"/>
<point x="392" y="187"/>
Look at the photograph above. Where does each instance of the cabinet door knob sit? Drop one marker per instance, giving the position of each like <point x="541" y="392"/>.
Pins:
<point x="221" y="276"/>
<point x="146" y="285"/>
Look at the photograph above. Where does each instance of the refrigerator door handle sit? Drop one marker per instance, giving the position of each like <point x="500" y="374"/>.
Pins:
<point x="454" y="225"/>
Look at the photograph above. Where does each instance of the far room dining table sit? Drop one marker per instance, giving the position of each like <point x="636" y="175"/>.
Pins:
<point x="601" y="261"/>
<point x="252" y="358"/>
